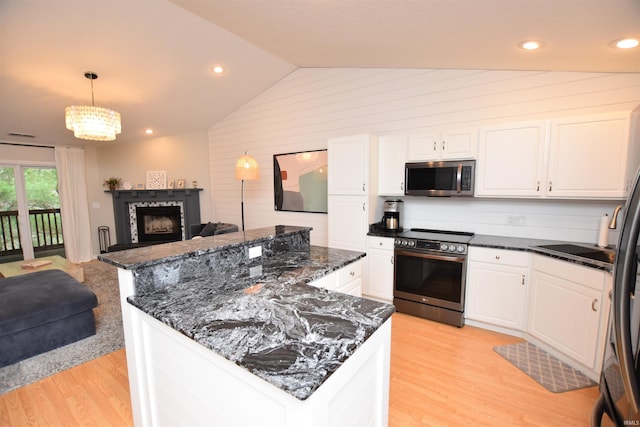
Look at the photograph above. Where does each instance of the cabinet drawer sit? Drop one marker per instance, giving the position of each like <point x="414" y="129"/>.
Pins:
<point x="585" y="276"/>
<point x="381" y="242"/>
<point x="349" y="272"/>
<point x="499" y="256"/>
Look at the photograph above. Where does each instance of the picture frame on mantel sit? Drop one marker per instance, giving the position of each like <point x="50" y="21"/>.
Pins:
<point x="171" y="184"/>
<point x="180" y="183"/>
<point x="139" y="186"/>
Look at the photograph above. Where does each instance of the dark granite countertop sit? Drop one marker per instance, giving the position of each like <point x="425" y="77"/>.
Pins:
<point x="158" y="254"/>
<point x="524" y="244"/>
<point x="267" y="320"/>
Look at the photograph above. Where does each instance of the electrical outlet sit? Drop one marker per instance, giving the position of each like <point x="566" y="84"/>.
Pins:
<point x="255" y="271"/>
<point x="516" y="219"/>
<point x="255" y="252"/>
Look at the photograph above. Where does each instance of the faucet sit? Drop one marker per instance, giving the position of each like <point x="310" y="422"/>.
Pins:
<point x="614" y="219"/>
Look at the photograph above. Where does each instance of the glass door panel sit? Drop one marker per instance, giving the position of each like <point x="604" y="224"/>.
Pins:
<point x="10" y="245"/>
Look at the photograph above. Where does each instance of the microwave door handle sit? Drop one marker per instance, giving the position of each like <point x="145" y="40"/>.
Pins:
<point x="459" y="179"/>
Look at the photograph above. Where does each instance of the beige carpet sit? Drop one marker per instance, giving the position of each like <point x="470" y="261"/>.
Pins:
<point x="102" y="278"/>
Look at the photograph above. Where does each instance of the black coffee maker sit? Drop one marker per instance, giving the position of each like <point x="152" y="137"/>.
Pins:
<point x="391" y="218"/>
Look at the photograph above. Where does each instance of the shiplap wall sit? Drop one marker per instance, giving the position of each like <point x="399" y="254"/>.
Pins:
<point x="309" y="106"/>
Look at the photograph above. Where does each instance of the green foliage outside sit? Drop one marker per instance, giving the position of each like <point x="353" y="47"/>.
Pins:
<point x="41" y="186"/>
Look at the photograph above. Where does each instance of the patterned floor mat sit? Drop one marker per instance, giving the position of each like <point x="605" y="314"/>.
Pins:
<point x="553" y="374"/>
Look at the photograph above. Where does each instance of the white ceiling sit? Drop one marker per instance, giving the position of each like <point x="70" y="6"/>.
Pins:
<point x="153" y="57"/>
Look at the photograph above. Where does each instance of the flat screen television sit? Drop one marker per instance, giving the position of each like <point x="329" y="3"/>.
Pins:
<point x="300" y="181"/>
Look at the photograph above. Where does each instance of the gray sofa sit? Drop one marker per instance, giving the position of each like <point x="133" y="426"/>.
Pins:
<point x="41" y="311"/>
<point x="210" y="229"/>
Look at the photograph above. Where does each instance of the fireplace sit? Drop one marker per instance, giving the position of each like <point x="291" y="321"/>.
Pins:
<point x="159" y="223"/>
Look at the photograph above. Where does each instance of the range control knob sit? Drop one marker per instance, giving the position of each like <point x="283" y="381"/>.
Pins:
<point x="412" y="243"/>
<point x="460" y="248"/>
<point x="444" y="247"/>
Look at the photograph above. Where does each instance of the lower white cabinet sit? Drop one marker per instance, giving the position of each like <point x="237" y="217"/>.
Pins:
<point x="497" y="281"/>
<point x="379" y="285"/>
<point x="569" y="309"/>
<point x="347" y="280"/>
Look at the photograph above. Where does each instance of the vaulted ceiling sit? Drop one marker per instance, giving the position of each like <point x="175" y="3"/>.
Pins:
<point x="154" y="57"/>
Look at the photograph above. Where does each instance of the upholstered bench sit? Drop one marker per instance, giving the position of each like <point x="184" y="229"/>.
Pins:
<point x="41" y="311"/>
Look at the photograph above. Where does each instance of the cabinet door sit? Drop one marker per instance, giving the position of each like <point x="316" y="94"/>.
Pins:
<point x="348" y="222"/>
<point x="459" y="144"/>
<point x="349" y="164"/>
<point x="424" y="147"/>
<point x="380" y="282"/>
<point x="566" y="316"/>
<point x="511" y="160"/>
<point x="392" y="155"/>
<point x="496" y="294"/>
<point x="588" y="157"/>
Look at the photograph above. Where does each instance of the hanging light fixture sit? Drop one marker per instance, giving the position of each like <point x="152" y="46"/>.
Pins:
<point x="91" y="122"/>
<point x="246" y="169"/>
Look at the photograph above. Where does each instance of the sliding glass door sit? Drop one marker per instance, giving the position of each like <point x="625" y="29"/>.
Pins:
<point x="30" y="222"/>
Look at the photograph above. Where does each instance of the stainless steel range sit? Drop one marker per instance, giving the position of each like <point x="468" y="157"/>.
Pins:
<point x="430" y="267"/>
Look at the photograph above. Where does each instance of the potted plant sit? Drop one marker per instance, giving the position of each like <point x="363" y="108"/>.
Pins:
<point x="112" y="183"/>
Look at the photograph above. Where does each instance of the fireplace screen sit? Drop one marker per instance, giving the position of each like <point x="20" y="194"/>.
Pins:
<point x="159" y="224"/>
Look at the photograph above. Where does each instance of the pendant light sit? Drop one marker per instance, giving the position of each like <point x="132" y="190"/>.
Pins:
<point x="91" y="122"/>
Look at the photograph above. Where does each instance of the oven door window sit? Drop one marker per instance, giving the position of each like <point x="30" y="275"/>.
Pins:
<point x="432" y="277"/>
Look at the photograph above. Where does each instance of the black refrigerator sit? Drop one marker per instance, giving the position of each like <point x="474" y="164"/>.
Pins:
<point x="619" y="401"/>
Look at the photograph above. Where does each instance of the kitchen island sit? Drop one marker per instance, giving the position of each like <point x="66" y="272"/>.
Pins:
<point x="226" y="330"/>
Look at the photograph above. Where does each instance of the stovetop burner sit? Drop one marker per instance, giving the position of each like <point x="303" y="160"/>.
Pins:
<point x="440" y="235"/>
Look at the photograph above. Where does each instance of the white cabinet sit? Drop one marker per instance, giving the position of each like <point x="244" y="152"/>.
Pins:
<point x="392" y="155"/>
<point x="349" y="164"/>
<point x="511" y="160"/>
<point x="580" y="158"/>
<point x="497" y="287"/>
<point x="439" y="144"/>
<point x="380" y="283"/>
<point x="347" y="280"/>
<point x="353" y="181"/>
<point x="587" y="157"/>
<point x="568" y="309"/>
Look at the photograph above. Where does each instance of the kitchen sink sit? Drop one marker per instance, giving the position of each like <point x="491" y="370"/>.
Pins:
<point x="603" y="255"/>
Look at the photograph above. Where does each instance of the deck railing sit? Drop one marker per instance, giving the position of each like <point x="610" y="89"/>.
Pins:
<point x="46" y="231"/>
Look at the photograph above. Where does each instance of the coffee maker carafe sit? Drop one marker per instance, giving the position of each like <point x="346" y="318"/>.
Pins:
<point x="391" y="217"/>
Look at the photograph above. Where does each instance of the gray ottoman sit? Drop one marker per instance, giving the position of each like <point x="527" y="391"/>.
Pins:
<point x="41" y="311"/>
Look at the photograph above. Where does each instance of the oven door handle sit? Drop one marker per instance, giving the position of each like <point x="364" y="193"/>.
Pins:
<point x="430" y="256"/>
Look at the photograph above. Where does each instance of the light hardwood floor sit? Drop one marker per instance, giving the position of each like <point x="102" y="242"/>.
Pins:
<point x="440" y="376"/>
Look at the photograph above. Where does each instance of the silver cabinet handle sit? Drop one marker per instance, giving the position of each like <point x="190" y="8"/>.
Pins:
<point x="435" y="145"/>
<point x="593" y="304"/>
<point x="444" y="145"/>
<point x="364" y="207"/>
<point x="402" y="186"/>
<point x="391" y="260"/>
<point x="538" y="186"/>
<point x="550" y="185"/>
<point x="363" y="188"/>
<point x="523" y="279"/>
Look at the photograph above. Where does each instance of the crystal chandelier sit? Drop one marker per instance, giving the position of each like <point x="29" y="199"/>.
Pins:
<point x="91" y="122"/>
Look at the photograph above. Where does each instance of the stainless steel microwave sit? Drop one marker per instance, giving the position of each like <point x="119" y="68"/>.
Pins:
<point x="440" y="179"/>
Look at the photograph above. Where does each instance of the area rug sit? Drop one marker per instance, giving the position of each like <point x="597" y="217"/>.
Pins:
<point x="102" y="278"/>
<point x="550" y="372"/>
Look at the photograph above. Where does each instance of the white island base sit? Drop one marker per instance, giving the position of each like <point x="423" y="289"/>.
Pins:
<point x="184" y="383"/>
<point x="175" y="381"/>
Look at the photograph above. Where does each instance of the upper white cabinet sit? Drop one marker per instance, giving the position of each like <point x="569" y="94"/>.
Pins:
<point x="392" y="155"/>
<point x="587" y="157"/>
<point x="349" y="164"/>
<point x="511" y="160"/>
<point x="584" y="157"/>
<point x="443" y="144"/>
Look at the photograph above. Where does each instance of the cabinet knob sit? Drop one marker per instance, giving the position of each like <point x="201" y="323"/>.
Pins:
<point x="497" y="256"/>
<point x="380" y="243"/>
<point x="352" y="273"/>
<point x="593" y="304"/>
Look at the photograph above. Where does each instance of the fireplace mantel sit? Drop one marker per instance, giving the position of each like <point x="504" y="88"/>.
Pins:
<point x="190" y="198"/>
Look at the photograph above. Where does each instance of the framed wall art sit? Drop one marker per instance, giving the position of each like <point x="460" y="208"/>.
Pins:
<point x="156" y="180"/>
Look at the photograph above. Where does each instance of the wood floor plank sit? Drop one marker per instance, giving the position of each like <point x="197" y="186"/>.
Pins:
<point x="440" y="376"/>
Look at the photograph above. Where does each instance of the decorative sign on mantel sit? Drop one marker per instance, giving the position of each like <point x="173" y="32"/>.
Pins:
<point x="156" y="180"/>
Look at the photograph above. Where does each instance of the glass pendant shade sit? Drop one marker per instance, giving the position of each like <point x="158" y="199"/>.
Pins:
<point x="93" y="123"/>
<point x="247" y="168"/>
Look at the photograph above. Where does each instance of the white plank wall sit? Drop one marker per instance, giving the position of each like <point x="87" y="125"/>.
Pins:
<point x="311" y="105"/>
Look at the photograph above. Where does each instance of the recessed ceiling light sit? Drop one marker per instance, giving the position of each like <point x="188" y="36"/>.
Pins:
<point x="531" y="44"/>
<point x="218" y="69"/>
<point x="148" y="131"/>
<point x="626" y="43"/>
